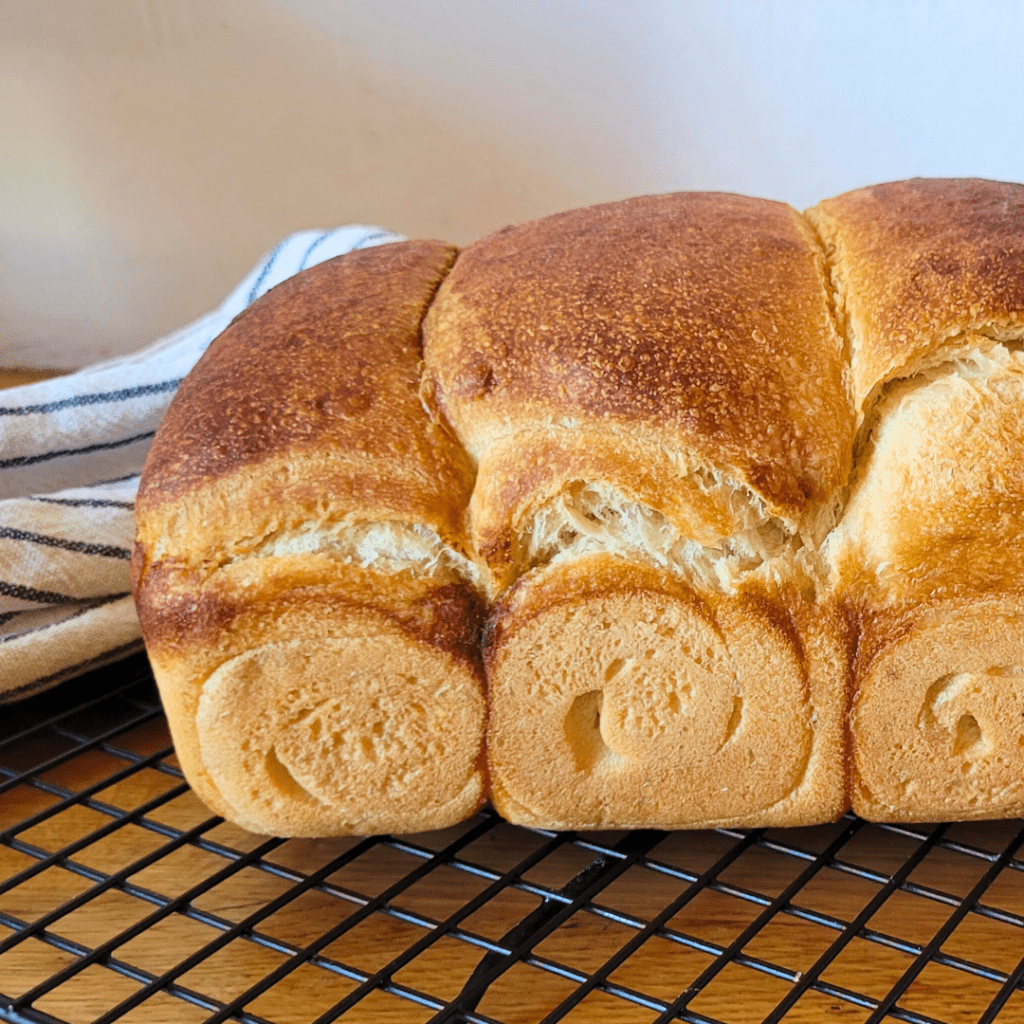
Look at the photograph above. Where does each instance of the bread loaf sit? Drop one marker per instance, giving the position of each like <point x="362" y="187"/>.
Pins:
<point x="721" y="499"/>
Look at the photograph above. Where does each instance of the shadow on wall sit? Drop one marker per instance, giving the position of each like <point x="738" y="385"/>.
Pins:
<point x="155" y="150"/>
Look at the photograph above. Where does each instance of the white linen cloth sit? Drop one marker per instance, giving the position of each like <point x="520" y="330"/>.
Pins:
<point x="71" y="451"/>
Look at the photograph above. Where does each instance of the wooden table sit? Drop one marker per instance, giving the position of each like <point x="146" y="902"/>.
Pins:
<point x="15" y="378"/>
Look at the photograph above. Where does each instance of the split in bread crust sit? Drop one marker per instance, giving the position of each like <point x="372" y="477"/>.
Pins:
<point x="644" y="342"/>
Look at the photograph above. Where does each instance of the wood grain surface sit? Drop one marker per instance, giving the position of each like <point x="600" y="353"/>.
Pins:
<point x="15" y="378"/>
<point x="662" y="966"/>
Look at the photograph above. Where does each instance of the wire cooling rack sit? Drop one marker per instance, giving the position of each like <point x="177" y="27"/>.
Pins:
<point x="122" y="898"/>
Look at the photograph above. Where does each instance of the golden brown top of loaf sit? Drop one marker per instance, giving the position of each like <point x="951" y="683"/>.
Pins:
<point x="919" y="263"/>
<point x="307" y="409"/>
<point x="698" y="322"/>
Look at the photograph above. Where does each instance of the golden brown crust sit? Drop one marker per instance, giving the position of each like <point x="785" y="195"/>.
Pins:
<point x="696" y="321"/>
<point x="918" y="262"/>
<point x="307" y="693"/>
<point x="321" y="360"/>
<point x="307" y="408"/>
<point x="180" y="611"/>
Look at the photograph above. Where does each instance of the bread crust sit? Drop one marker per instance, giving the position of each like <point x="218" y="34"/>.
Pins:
<point x="930" y="278"/>
<point x="935" y="720"/>
<point x="694" y="324"/>
<point x="317" y="634"/>
<point x="917" y="263"/>
<point x="266" y="433"/>
<point x="620" y="697"/>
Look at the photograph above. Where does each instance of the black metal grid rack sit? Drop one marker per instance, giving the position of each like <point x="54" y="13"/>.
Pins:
<point x="121" y="898"/>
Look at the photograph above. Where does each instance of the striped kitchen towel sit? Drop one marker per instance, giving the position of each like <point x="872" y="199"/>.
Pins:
<point x="71" y="450"/>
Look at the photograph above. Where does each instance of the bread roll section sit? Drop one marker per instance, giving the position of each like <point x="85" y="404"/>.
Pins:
<point x="918" y="265"/>
<point x="654" y="394"/>
<point x="301" y="569"/>
<point x="642" y="700"/>
<point x="931" y="277"/>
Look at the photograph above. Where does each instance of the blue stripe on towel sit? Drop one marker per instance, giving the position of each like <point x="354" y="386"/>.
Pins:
<point x="74" y="670"/>
<point x="85" y="502"/>
<point x="367" y="239"/>
<point x="29" y="460"/>
<point x="313" y="245"/>
<point x="266" y="270"/>
<point x="59" y="622"/>
<point x="96" y="398"/>
<point x="23" y="593"/>
<point x="106" y="550"/>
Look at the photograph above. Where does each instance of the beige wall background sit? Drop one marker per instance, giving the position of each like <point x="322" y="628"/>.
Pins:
<point x="151" y="150"/>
